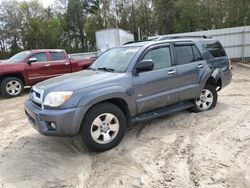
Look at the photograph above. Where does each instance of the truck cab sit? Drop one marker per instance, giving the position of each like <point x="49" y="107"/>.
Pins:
<point x="33" y="66"/>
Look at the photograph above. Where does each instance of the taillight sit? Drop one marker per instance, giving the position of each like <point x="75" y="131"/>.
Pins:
<point x="230" y="65"/>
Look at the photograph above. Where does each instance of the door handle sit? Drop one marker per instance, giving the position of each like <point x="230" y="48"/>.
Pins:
<point x="47" y="65"/>
<point x="200" y="66"/>
<point x="66" y="63"/>
<point x="171" y="72"/>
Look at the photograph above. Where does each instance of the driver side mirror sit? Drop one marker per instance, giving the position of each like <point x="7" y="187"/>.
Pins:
<point x="144" y="65"/>
<point x="32" y="60"/>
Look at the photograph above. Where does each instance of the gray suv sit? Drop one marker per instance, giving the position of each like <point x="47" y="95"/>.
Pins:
<point x="130" y="84"/>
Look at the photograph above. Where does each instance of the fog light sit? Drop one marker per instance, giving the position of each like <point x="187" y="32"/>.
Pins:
<point x="51" y="126"/>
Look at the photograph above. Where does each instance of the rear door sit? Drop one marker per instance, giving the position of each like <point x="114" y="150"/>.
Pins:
<point x="58" y="63"/>
<point x="191" y="67"/>
<point x="157" y="88"/>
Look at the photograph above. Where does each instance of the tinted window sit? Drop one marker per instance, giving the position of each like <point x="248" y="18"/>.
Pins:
<point x="57" y="56"/>
<point x="41" y="57"/>
<point x="215" y="49"/>
<point x="160" y="56"/>
<point x="197" y="55"/>
<point x="184" y="54"/>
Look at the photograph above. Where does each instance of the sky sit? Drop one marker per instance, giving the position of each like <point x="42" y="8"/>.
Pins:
<point x="45" y="3"/>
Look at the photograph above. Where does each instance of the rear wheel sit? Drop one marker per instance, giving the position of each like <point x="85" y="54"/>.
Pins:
<point x="103" y="127"/>
<point x="207" y="99"/>
<point x="12" y="87"/>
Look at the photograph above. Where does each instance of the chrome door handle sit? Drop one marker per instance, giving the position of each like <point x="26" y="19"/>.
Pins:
<point x="171" y="72"/>
<point x="200" y="66"/>
<point x="66" y="63"/>
<point x="47" y="65"/>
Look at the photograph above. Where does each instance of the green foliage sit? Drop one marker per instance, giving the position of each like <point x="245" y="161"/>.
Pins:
<point x="71" y="24"/>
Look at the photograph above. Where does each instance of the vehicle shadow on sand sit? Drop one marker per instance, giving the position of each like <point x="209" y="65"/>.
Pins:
<point x="44" y="161"/>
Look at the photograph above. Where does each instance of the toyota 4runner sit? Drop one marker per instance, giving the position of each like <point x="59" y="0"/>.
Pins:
<point x="127" y="85"/>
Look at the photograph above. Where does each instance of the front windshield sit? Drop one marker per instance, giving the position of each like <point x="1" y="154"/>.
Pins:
<point x="20" y="56"/>
<point x="116" y="59"/>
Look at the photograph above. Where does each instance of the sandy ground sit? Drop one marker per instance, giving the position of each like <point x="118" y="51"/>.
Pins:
<point x="210" y="149"/>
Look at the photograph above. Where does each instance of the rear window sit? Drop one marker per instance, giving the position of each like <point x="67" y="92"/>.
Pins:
<point x="215" y="49"/>
<point x="57" y="56"/>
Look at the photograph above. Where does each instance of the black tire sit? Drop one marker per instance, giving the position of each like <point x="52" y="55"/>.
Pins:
<point x="96" y="111"/>
<point x="5" y="82"/>
<point x="213" y="90"/>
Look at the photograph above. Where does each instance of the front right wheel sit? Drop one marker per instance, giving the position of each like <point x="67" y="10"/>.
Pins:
<point x="207" y="99"/>
<point x="103" y="127"/>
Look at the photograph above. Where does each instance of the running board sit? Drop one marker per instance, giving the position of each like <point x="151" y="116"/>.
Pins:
<point x="162" y="112"/>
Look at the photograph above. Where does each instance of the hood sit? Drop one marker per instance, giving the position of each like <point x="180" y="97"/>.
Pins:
<point x="78" y="80"/>
<point x="6" y="62"/>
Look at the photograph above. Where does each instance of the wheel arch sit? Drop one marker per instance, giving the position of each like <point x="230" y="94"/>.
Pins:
<point x="213" y="79"/>
<point x="16" y="75"/>
<point x="116" y="95"/>
<point x="120" y="103"/>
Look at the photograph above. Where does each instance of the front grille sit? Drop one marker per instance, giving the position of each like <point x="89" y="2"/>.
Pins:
<point x="36" y="96"/>
<point x="37" y="104"/>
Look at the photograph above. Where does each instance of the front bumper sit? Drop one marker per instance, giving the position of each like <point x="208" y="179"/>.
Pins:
<point x="68" y="121"/>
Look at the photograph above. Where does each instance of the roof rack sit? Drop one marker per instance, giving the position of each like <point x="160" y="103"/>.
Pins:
<point x="132" y="42"/>
<point x="182" y="36"/>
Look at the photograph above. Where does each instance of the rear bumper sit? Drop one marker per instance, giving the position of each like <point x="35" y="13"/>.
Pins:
<point x="226" y="78"/>
<point x="67" y="121"/>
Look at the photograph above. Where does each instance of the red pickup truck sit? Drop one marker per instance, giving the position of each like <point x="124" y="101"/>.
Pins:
<point x="30" y="67"/>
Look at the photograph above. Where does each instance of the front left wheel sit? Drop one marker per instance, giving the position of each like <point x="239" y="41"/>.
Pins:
<point x="103" y="127"/>
<point x="12" y="87"/>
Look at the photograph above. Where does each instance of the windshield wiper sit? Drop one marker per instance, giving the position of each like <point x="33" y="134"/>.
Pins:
<point x="106" y="69"/>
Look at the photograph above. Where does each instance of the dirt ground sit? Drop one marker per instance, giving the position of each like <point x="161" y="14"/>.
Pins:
<point x="208" y="150"/>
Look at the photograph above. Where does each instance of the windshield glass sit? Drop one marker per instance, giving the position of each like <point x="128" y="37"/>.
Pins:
<point x="20" y="56"/>
<point x="116" y="59"/>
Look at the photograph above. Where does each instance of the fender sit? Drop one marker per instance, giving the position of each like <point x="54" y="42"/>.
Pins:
<point x="112" y="92"/>
<point x="212" y="76"/>
<point x="13" y="69"/>
<point x="217" y="74"/>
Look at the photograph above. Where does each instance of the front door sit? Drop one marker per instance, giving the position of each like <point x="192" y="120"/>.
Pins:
<point x="37" y="71"/>
<point x="157" y="88"/>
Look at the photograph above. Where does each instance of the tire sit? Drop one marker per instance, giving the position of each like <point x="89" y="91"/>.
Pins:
<point x="103" y="127"/>
<point x="12" y="87"/>
<point x="207" y="100"/>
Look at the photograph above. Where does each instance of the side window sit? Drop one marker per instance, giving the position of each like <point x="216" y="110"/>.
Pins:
<point x="184" y="54"/>
<point x="197" y="55"/>
<point x="57" y="56"/>
<point x="41" y="57"/>
<point x="215" y="49"/>
<point x="160" y="56"/>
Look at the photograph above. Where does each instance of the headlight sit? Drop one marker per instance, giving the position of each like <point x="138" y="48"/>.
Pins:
<point x="55" y="99"/>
